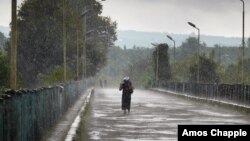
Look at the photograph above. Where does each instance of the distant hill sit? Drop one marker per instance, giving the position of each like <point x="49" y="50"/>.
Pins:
<point x="5" y="30"/>
<point x="130" y="38"/>
<point x="144" y="39"/>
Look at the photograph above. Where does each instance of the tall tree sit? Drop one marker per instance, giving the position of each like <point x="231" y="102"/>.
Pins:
<point x="190" y="47"/>
<point x="40" y="39"/>
<point x="161" y="65"/>
<point x="207" y="69"/>
<point x="40" y="42"/>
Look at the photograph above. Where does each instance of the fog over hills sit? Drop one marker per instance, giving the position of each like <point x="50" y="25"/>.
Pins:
<point x="132" y="38"/>
<point x="145" y="39"/>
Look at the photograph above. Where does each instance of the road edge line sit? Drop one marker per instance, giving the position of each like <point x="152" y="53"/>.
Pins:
<point x="74" y="126"/>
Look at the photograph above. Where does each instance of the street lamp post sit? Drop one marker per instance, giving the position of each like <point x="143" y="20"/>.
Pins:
<point x="243" y="41"/>
<point x="157" y="66"/>
<point x="156" y="63"/>
<point x="84" y="39"/>
<point x="169" y="37"/>
<point x="84" y="15"/>
<point x="198" y="69"/>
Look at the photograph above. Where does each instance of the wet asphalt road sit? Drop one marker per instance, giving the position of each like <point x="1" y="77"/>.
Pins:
<point x="154" y="116"/>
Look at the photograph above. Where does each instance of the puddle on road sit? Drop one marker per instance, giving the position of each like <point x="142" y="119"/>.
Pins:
<point x="95" y="135"/>
<point x="96" y="115"/>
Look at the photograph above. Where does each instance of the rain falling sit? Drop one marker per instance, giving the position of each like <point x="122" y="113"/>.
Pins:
<point x="121" y="70"/>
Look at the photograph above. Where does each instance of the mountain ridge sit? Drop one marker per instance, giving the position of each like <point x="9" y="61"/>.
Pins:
<point x="130" y="38"/>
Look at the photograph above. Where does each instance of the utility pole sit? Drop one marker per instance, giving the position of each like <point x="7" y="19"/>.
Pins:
<point x="64" y="45"/>
<point x="86" y="10"/>
<point x="243" y="41"/>
<point x="84" y="47"/>
<point x="157" y="65"/>
<point x="84" y="54"/>
<point x="13" y="48"/>
<point x="169" y="37"/>
<point x="198" y="51"/>
<point x="77" y="52"/>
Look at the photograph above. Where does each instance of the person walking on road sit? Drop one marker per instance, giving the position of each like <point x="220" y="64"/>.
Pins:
<point x="127" y="89"/>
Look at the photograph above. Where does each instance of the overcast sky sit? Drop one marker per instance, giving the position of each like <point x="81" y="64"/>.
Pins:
<point x="5" y="12"/>
<point x="213" y="17"/>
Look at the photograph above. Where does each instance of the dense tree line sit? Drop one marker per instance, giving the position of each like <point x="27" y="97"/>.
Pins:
<point x="135" y="63"/>
<point x="138" y="63"/>
<point x="216" y="64"/>
<point x="161" y="63"/>
<point x="207" y="70"/>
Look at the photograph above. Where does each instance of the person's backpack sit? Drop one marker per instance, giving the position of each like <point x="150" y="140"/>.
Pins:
<point x="128" y="86"/>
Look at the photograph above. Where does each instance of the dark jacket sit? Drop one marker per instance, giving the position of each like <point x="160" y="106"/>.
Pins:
<point x="126" y="86"/>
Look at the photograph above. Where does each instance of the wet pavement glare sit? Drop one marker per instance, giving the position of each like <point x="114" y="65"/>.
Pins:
<point x="154" y="116"/>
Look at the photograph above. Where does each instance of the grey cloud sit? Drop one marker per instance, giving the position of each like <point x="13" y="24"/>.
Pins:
<point x="202" y="5"/>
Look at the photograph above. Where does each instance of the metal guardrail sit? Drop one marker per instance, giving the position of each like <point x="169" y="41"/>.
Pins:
<point x="233" y="93"/>
<point x="26" y="115"/>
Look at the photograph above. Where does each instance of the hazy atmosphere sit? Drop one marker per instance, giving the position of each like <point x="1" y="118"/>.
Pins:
<point x="125" y="70"/>
<point x="220" y="18"/>
<point x="213" y="17"/>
